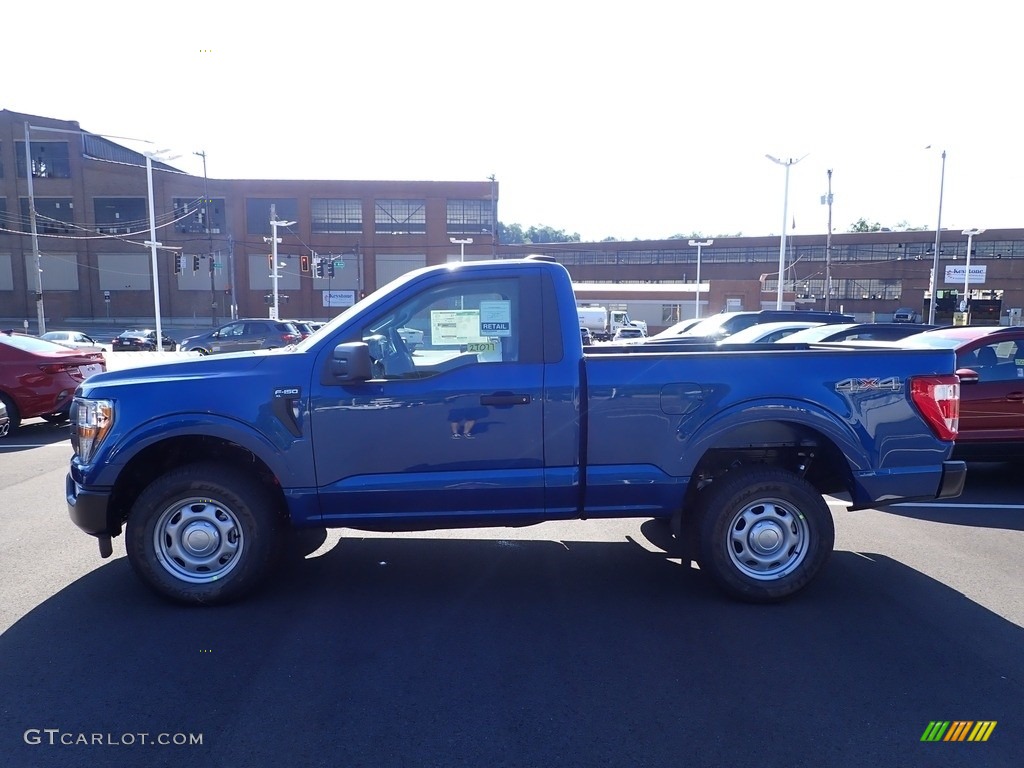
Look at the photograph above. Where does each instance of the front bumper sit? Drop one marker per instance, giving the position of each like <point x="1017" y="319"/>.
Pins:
<point x="90" y="510"/>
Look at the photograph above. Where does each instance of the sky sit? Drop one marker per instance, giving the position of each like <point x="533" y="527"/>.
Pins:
<point x="636" y="120"/>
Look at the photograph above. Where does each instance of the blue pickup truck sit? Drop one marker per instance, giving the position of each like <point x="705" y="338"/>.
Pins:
<point x="499" y="418"/>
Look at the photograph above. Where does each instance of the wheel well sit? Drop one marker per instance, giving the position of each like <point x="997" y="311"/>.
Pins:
<point x="796" y="448"/>
<point x="169" y="454"/>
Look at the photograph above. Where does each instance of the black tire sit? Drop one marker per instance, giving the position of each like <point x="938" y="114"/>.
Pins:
<point x="204" y="534"/>
<point x="792" y="525"/>
<point x="13" y="415"/>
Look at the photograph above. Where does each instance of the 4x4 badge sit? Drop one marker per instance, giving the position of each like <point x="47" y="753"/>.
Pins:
<point x="889" y="383"/>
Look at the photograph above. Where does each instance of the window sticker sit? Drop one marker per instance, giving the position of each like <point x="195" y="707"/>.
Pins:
<point x="496" y="318"/>
<point x="451" y="327"/>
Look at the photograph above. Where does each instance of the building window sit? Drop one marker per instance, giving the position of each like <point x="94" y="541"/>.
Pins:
<point x="54" y="215"/>
<point x="470" y="217"/>
<point x="121" y="215"/>
<point x="336" y="215"/>
<point x="200" y="215"/>
<point x="257" y="213"/>
<point x="50" y="159"/>
<point x="400" y="217"/>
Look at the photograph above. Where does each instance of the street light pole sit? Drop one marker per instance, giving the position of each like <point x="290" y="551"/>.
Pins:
<point x="788" y="163"/>
<point x="696" y="291"/>
<point x="462" y="245"/>
<point x="154" y="245"/>
<point x="967" y="269"/>
<point x="938" y="234"/>
<point x="828" y="243"/>
<point x="274" y="240"/>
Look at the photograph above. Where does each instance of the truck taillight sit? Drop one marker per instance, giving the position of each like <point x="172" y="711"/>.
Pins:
<point x="938" y="399"/>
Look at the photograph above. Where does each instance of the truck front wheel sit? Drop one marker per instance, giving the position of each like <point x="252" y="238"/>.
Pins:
<point x="764" y="534"/>
<point x="203" y="533"/>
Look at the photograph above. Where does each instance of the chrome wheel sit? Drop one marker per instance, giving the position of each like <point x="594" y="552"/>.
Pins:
<point x="198" y="540"/>
<point x="767" y="540"/>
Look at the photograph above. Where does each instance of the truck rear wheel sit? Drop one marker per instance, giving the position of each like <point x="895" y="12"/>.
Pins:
<point x="764" y="534"/>
<point x="203" y="533"/>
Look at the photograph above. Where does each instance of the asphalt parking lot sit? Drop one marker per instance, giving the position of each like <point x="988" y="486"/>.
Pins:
<point x="571" y="644"/>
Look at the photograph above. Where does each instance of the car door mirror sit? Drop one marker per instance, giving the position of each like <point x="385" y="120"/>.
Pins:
<point x="967" y="376"/>
<point x="350" y="362"/>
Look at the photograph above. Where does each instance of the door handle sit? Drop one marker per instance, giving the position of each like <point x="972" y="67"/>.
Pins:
<point x="504" y="399"/>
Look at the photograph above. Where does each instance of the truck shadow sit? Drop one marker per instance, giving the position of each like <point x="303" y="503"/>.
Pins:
<point x="427" y="651"/>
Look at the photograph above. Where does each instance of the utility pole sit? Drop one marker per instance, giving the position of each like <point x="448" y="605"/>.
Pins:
<point x="828" y="243"/>
<point x="40" y="314"/>
<point x="209" y="232"/>
<point x="275" y="273"/>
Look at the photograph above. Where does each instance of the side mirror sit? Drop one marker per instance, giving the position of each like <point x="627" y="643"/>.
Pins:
<point x="967" y="376"/>
<point x="351" y="362"/>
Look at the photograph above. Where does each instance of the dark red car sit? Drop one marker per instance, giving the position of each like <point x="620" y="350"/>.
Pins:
<point x="39" y="377"/>
<point x="990" y="363"/>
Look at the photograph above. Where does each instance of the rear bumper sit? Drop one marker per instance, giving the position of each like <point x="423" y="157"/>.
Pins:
<point x="941" y="481"/>
<point x="954" y="474"/>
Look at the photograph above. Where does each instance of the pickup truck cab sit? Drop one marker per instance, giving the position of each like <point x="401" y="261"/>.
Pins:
<point x="499" y="418"/>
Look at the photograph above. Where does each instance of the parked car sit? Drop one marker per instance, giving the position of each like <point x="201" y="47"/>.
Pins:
<point x="585" y="336"/>
<point x="675" y="330"/>
<point x="141" y="341"/>
<point x="243" y="335"/>
<point x="73" y="339"/>
<point x="5" y="420"/>
<point x="713" y="329"/>
<point x="990" y="364"/>
<point x="39" y="377"/>
<point x="905" y="315"/>
<point x="629" y="333"/>
<point x="304" y="328"/>
<point x="765" y="333"/>
<point x="857" y="332"/>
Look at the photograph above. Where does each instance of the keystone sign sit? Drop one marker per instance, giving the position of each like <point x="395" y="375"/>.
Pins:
<point x="955" y="275"/>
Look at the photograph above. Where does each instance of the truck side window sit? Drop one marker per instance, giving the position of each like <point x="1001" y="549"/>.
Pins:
<point x="475" y="322"/>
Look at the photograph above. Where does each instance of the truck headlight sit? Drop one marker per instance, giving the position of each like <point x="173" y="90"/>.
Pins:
<point x="91" y="420"/>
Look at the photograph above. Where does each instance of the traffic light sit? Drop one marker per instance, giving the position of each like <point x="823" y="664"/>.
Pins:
<point x="177" y="264"/>
<point x="330" y="268"/>
<point x="319" y="268"/>
<point x="304" y="263"/>
<point x="195" y="263"/>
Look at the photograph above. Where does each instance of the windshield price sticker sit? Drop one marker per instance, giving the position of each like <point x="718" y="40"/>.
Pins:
<point x="482" y="346"/>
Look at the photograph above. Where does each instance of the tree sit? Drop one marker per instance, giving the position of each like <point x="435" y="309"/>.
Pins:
<point x="510" y="234"/>
<point x="862" y="225"/>
<point x="513" y="234"/>
<point x="546" y="234"/>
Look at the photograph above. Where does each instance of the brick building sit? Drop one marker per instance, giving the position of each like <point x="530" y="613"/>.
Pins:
<point x="92" y="225"/>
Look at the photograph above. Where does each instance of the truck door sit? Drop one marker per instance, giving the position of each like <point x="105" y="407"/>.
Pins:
<point x="452" y="430"/>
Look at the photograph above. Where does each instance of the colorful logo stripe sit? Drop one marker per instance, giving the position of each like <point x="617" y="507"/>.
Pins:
<point x="959" y="730"/>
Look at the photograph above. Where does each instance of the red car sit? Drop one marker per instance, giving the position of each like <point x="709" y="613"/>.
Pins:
<point x="39" y="377"/>
<point x="990" y="363"/>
